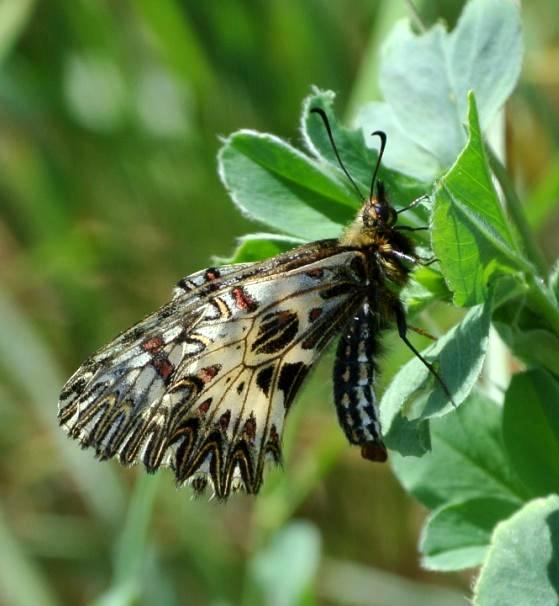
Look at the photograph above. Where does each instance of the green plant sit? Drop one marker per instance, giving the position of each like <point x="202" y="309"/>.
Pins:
<point x="487" y="470"/>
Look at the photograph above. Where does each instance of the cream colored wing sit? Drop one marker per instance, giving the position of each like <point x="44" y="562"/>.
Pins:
<point x="204" y="384"/>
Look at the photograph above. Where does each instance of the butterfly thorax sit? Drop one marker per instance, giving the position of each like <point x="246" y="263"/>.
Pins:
<point x="373" y="232"/>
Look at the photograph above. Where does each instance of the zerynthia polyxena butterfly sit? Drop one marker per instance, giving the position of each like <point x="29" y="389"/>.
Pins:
<point x="204" y="384"/>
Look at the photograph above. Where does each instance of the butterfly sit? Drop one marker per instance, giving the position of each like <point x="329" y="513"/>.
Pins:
<point x="204" y="384"/>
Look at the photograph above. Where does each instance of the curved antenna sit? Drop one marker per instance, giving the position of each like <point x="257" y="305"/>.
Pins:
<point x="382" y="136"/>
<point x="322" y="114"/>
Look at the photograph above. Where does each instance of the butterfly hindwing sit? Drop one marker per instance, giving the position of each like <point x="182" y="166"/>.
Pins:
<point x="203" y="385"/>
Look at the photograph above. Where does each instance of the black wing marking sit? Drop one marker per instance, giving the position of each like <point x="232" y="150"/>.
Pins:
<point x="203" y="385"/>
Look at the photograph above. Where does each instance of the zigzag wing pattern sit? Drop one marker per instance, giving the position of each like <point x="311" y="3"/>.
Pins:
<point x="204" y="384"/>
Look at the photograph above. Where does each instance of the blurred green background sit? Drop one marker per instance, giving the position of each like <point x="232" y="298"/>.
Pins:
<point x="110" y="118"/>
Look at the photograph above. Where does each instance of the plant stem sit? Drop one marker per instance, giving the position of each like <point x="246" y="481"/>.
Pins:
<point x="516" y="213"/>
<point x="539" y="298"/>
<point x="542" y="302"/>
<point x="416" y="17"/>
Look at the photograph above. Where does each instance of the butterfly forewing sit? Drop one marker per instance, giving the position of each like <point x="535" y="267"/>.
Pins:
<point x="204" y="384"/>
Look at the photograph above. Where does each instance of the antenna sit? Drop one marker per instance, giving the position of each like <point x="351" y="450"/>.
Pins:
<point x="382" y="136"/>
<point x="322" y="114"/>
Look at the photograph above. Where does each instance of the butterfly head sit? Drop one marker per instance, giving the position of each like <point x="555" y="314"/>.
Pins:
<point x="375" y="226"/>
<point x="377" y="213"/>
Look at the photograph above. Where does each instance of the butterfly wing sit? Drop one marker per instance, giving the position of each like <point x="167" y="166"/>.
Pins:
<point x="203" y="385"/>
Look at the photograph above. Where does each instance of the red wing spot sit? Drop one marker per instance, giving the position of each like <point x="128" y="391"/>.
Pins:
<point x="163" y="367"/>
<point x="212" y="274"/>
<point x="284" y="317"/>
<point x="204" y="407"/>
<point x="314" y="314"/>
<point x="315" y="273"/>
<point x="208" y="373"/>
<point x="224" y="420"/>
<point x="250" y="428"/>
<point x="153" y="345"/>
<point x="243" y="300"/>
<point x="311" y="341"/>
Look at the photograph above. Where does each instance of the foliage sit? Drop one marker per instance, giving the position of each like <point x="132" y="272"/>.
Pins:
<point x="484" y="463"/>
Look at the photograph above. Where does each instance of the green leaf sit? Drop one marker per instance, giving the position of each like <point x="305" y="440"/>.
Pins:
<point x="272" y="182"/>
<point x="468" y="459"/>
<point x="255" y="247"/>
<point x="426" y="285"/>
<point x="457" y="536"/>
<point x="522" y="566"/>
<point x="471" y="236"/>
<point x="402" y="154"/>
<point x="425" y="78"/>
<point x="520" y="326"/>
<point x="546" y="354"/>
<point x="359" y="153"/>
<point x="414" y="81"/>
<point x="409" y="437"/>
<point x="485" y="55"/>
<point x="531" y="430"/>
<point x="521" y="340"/>
<point x="459" y="357"/>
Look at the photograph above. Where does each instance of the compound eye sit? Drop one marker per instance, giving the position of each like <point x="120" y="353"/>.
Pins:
<point x="383" y="212"/>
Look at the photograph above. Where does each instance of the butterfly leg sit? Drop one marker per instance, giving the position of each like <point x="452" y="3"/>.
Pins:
<point x="422" y="332"/>
<point x="426" y="262"/>
<point x="414" y="203"/>
<point x="409" y="228"/>
<point x="402" y="326"/>
<point x="414" y="259"/>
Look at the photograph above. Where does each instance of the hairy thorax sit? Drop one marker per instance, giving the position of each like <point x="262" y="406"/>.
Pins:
<point x="387" y="250"/>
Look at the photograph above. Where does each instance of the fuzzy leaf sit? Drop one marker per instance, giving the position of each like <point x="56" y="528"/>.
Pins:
<point x="531" y="430"/>
<point x="358" y="155"/>
<point x="457" y="536"/>
<point x="459" y="355"/>
<point x="522" y="565"/>
<point x="276" y="184"/>
<point x="471" y="236"/>
<point x="469" y="440"/>
<point x="402" y="153"/>
<point x="255" y="247"/>
<point x="425" y="78"/>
